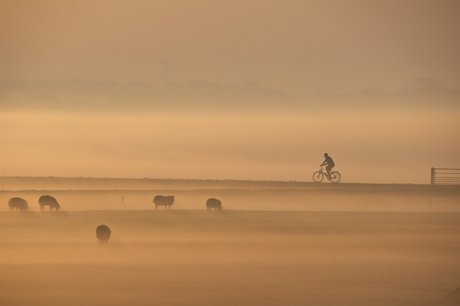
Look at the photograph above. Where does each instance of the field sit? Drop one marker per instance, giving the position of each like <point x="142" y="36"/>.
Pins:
<point x="274" y="243"/>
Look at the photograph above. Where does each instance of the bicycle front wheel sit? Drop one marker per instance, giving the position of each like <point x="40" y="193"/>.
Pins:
<point x="335" y="177"/>
<point x="318" y="176"/>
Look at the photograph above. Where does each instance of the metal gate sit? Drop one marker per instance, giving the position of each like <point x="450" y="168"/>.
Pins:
<point x="445" y="176"/>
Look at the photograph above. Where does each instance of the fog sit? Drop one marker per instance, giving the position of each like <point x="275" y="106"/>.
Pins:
<point x="254" y="90"/>
<point x="383" y="147"/>
<point x="295" y="46"/>
<point x="106" y="104"/>
<point x="273" y="243"/>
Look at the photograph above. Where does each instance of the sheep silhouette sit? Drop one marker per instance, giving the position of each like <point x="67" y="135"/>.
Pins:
<point x="103" y="234"/>
<point x="163" y="201"/>
<point x="50" y="201"/>
<point x="214" y="203"/>
<point x="18" y="204"/>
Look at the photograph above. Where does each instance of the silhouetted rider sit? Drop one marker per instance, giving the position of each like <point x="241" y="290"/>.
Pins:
<point x="329" y="163"/>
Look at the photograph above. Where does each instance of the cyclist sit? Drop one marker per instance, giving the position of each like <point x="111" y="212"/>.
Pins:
<point x="329" y="163"/>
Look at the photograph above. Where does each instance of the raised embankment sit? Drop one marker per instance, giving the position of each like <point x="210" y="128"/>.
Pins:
<point x="114" y="193"/>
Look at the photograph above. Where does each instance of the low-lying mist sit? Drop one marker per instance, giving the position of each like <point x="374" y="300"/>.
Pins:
<point x="228" y="258"/>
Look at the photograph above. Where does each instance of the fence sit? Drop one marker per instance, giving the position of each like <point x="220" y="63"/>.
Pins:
<point x="445" y="176"/>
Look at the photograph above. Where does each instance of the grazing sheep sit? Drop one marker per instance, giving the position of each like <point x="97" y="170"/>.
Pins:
<point x="50" y="201"/>
<point x="18" y="204"/>
<point x="163" y="201"/>
<point x="214" y="203"/>
<point x="103" y="234"/>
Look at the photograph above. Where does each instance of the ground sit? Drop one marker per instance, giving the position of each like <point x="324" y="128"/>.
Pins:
<point x="356" y="251"/>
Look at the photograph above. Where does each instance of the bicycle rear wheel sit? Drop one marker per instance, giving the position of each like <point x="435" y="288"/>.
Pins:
<point x="318" y="176"/>
<point x="335" y="177"/>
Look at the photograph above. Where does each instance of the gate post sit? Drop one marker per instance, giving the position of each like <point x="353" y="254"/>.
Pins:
<point x="433" y="175"/>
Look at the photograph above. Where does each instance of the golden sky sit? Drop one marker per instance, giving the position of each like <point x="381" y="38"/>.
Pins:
<point x="358" y="53"/>
<point x="296" y="46"/>
<point x="369" y="147"/>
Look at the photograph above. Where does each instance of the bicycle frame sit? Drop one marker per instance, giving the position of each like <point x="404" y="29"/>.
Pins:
<point x="318" y="176"/>
<point x="323" y="170"/>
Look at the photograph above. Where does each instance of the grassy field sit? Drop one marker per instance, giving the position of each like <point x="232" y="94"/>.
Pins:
<point x="273" y="244"/>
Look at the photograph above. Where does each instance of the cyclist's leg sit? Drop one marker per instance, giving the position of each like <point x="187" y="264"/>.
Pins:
<point x="328" y="169"/>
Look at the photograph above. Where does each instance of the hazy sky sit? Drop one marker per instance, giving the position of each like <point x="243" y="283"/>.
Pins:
<point x="295" y="46"/>
<point x="384" y="147"/>
<point x="289" y="47"/>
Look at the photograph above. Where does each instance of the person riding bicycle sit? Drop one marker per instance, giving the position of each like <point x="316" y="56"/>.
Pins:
<point x="329" y="163"/>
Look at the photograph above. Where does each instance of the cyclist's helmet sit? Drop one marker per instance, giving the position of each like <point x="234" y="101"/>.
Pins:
<point x="325" y="154"/>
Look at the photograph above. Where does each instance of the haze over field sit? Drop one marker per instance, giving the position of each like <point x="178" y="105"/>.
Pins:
<point x="106" y="104"/>
<point x="274" y="243"/>
<point x="255" y="90"/>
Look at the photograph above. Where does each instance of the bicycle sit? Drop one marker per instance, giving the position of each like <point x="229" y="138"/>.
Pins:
<point x="318" y="176"/>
